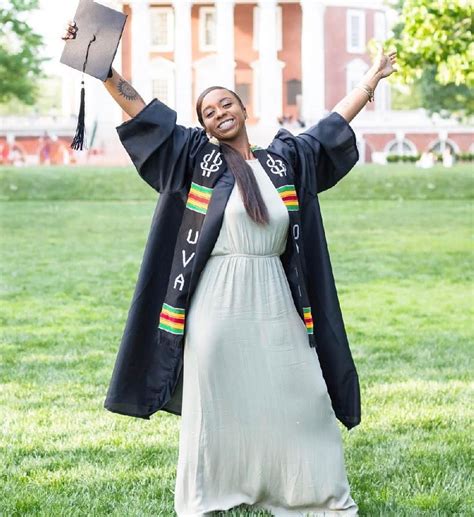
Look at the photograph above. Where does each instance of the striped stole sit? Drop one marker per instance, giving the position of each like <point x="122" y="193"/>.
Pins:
<point x="172" y="320"/>
<point x="282" y="177"/>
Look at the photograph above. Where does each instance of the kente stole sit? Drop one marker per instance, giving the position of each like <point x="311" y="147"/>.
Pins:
<point x="210" y="164"/>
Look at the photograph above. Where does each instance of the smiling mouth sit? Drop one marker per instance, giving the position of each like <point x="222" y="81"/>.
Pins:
<point x="226" y="124"/>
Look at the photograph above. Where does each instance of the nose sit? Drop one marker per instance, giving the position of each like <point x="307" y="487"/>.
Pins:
<point x="220" y="112"/>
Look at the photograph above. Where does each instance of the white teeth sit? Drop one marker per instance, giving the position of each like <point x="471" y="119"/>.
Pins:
<point x="226" y="124"/>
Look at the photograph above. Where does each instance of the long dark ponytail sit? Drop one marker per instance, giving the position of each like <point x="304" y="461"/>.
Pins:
<point x="244" y="176"/>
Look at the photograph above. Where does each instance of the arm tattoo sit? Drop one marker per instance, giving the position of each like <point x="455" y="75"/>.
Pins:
<point x="126" y="90"/>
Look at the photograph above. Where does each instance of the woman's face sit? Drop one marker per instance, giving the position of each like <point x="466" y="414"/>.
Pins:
<point x="222" y="115"/>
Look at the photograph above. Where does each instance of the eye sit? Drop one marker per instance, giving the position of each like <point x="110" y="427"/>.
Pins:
<point x="209" y="113"/>
<point x="227" y="104"/>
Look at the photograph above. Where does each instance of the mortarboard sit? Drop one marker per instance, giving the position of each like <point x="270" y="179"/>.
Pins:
<point x="92" y="51"/>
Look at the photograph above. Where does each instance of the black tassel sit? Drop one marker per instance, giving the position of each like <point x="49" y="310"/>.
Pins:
<point x="78" y="142"/>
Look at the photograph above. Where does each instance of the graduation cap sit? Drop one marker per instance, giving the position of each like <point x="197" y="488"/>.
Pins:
<point x="92" y="51"/>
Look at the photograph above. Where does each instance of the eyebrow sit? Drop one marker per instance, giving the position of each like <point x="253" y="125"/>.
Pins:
<point x="221" y="100"/>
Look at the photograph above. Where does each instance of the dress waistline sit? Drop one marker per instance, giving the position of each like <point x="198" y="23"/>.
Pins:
<point x="246" y="255"/>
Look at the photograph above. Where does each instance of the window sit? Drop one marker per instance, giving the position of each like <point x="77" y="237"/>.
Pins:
<point x="293" y="89"/>
<point x="355" y="31"/>
<point x="163" y="80"/>
<point x="161" y="90"/>
<point x="207" y="28"/>
<point x="162" y="28"/>
<point x="279" y="31"/>
<point x="355" y="70"/>
<point x="243" y="91"/>
<point x="441" y="145"/>
<point x="401" y="147"/>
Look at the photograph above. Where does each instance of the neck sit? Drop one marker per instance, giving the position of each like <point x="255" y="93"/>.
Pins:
<point x="242" y="145"/>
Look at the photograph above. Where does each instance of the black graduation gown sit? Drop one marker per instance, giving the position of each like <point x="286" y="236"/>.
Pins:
<point x="147" y="376"/>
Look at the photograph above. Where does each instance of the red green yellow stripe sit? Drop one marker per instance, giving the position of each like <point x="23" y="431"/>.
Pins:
<point x="199" y="198"/>
<point x="172" y="319"/>
<point x="308" y="319"/>
<point x="289" y="197"/>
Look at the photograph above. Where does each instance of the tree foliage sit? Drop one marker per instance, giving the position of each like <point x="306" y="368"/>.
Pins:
<point x="20" y="61"/>
<point x="445" y="99"/>
<point x="438" y="33"/>
<point x="435" y="52"/>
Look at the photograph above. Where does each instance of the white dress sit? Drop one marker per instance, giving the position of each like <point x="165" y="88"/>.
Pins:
<point x="257" y="426"/>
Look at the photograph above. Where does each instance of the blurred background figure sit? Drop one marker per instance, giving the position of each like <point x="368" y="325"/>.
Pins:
<point x="45" y="150"/>
<point x="448" y="158"/>
<point x="4" y="153"/>
<point x="426" y="161"/>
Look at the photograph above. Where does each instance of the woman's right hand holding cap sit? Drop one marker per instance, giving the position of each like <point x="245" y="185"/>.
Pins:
<point x="71" y="31"/>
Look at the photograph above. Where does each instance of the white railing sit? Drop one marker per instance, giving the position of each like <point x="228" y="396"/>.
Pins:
<point x="36" y="125"/>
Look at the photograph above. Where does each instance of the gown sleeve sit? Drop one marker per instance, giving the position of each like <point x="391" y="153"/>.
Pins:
<point x="321" y="155"/>
<point x="162" y="151"/>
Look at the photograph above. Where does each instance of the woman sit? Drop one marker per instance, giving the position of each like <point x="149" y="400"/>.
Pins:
<point x="221" y="325"/>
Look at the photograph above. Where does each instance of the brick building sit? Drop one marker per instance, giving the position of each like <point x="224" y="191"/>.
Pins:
<point x="292" y="59"/>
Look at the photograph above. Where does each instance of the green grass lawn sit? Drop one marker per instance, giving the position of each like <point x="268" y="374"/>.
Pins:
<point x="71" y="245"/>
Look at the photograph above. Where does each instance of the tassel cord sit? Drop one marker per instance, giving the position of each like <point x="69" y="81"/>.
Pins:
<point x="78" y="143"/>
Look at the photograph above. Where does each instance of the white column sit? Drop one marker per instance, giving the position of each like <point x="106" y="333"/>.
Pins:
<point x="225" y="42"/>
<point x="141" y="43"/>
<point x="183" y="60"/>
<point x="312" y="61"/>
<point x="270" y="101"/>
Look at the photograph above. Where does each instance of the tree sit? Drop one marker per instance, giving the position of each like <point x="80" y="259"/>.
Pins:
<point x="20" y="61"/>
<point x="438" y="33"/>
<point x="434" y="54"/>
<point x="445" y="99"/>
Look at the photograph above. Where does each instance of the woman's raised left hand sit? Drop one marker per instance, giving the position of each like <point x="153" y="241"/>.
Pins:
<point x="382" y="65"/>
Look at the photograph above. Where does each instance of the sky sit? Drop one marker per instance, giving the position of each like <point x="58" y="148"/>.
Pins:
<point x="49" y="21"/>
